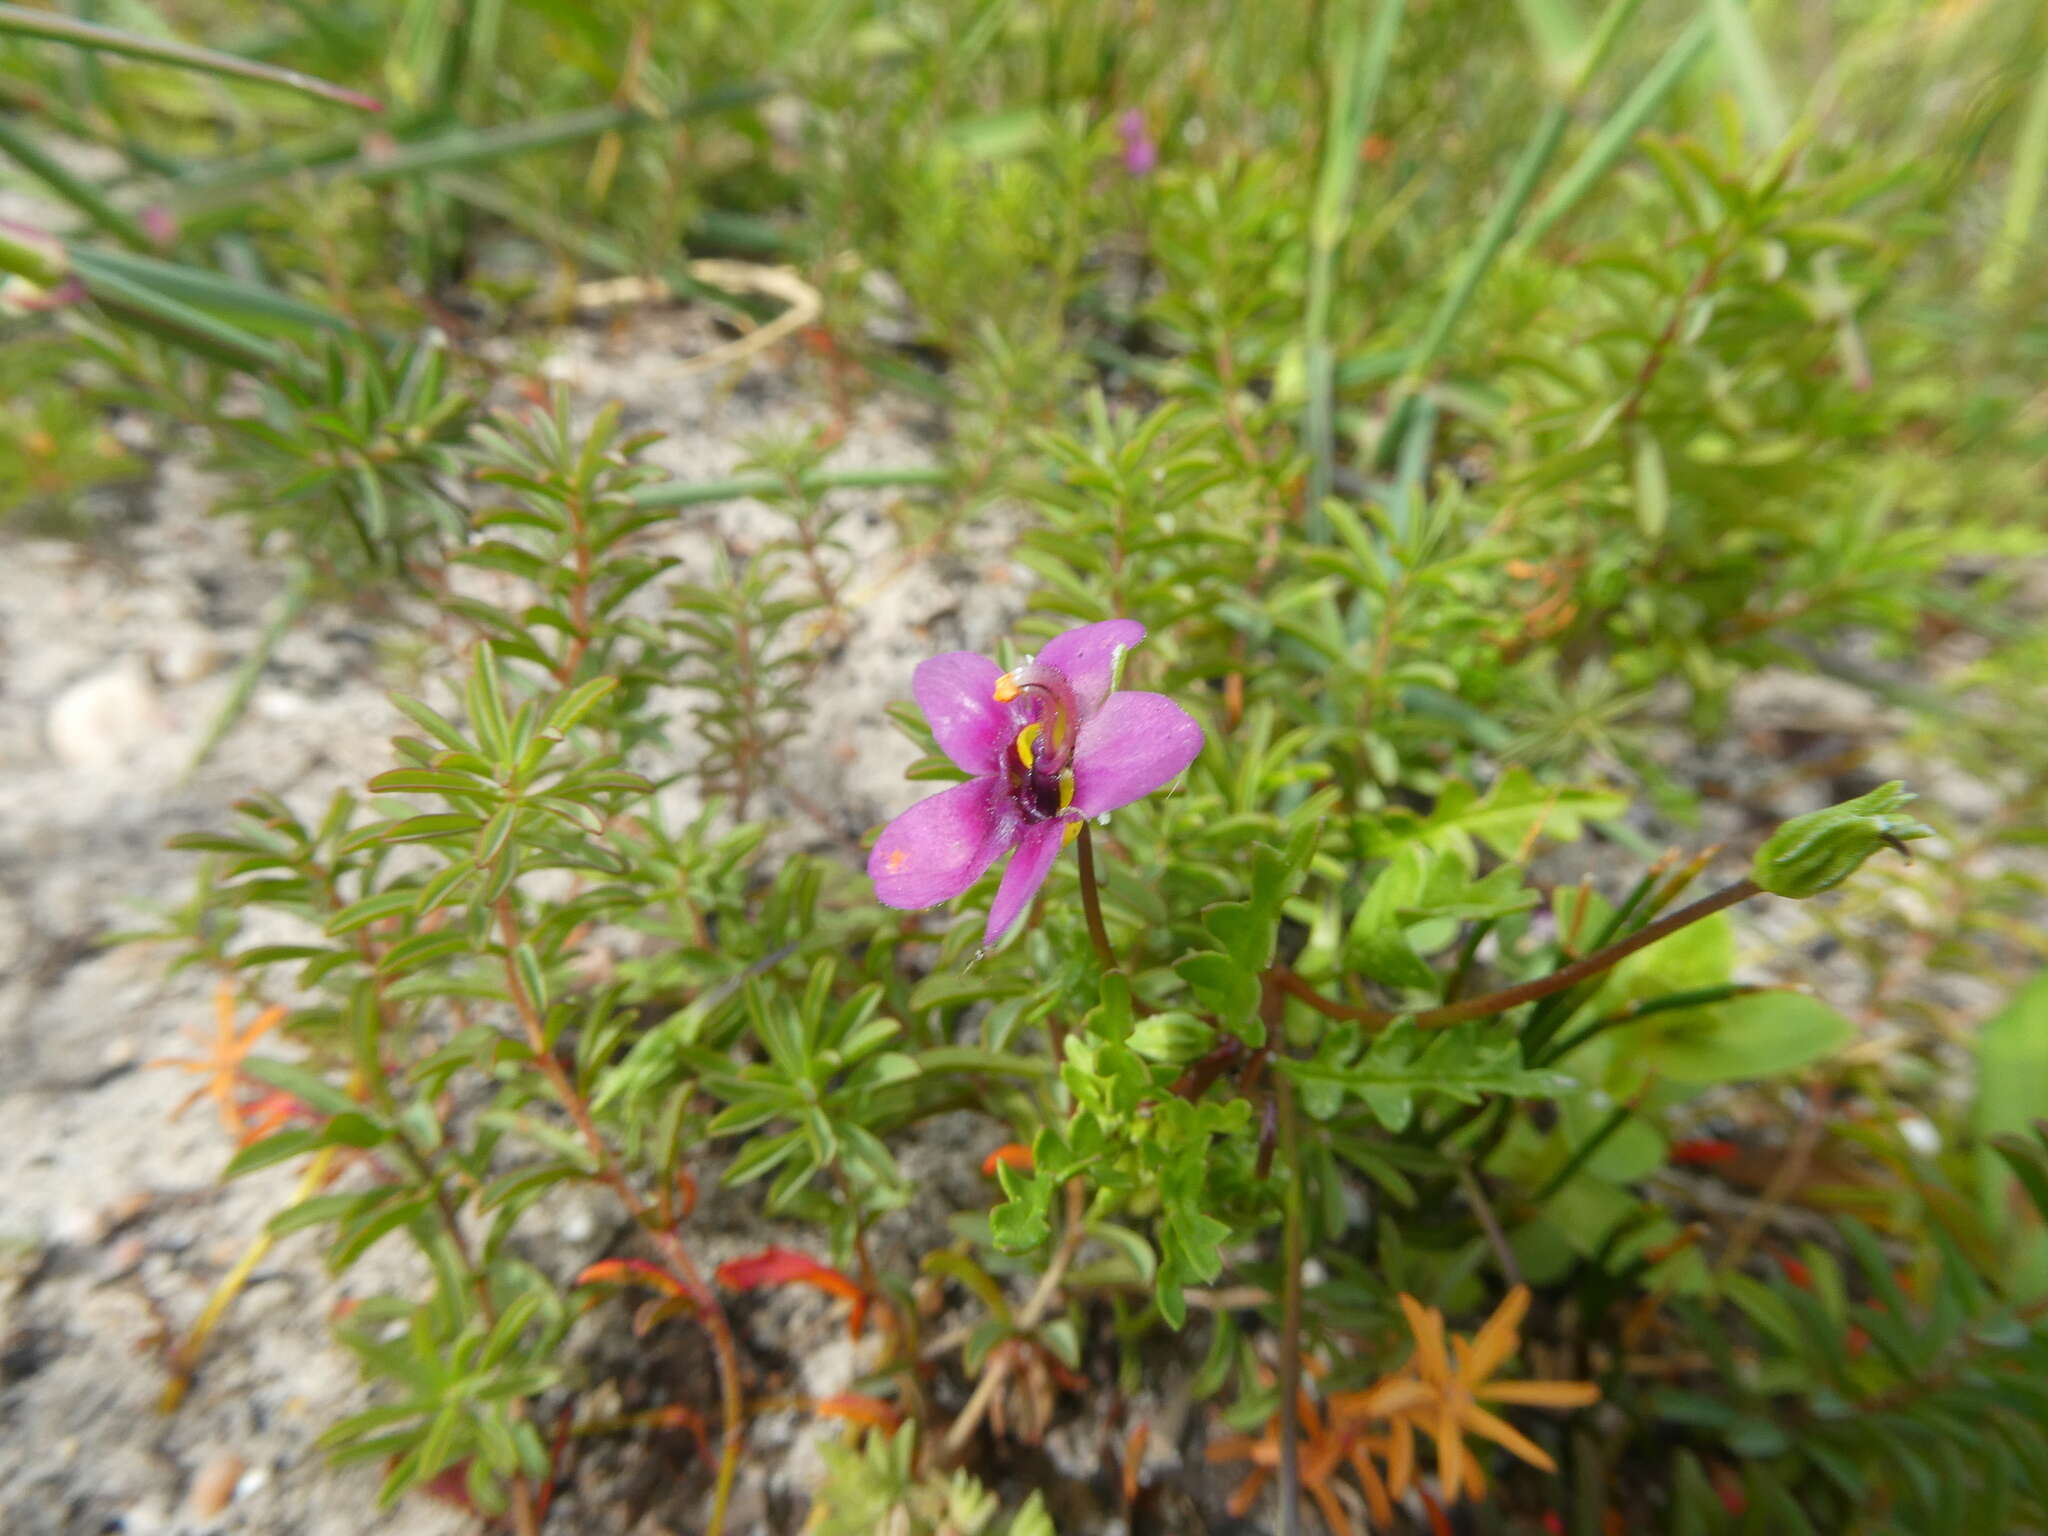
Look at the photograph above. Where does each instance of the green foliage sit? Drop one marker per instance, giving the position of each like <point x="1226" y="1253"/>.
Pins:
<point x="874" y="1486"/>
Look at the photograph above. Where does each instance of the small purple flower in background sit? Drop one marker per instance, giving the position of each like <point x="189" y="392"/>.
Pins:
<point x="1049" y="744"/>
<point x="1141" y="154"/>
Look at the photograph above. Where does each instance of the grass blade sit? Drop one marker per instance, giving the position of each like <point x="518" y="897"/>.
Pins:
<point x="2022" y="193"/>
<point x="290" y="606"/>
<point x="52" y="27"/>
<point x="75" y="190"/>
<point x="252" y="304"/>
<point x="1501" y="220"/>
<point x="1749" y="70"/>
<point x="458" y="149"/>
<point x="180" y="323"/>
<point x="34" y="256"/>
<point x="1361" y="70"/>
<point x="1619" y="132"/>
<point x="1558" y="32"/>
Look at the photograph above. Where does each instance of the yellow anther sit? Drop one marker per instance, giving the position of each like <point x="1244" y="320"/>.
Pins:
<point x="1025" y="738"/>
<point x="1006" y="689"/>
<point x="1069" y="832"/>
<point x="1067" y="797"/>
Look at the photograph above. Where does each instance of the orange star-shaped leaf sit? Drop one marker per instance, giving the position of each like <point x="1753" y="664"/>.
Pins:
<point x="1459" y="1376"/>
<point x="222" y="1067"/>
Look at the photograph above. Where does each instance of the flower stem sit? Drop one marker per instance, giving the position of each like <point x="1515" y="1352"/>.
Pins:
<point x="1528" y="991"/>
<point x="1091" y="902"/>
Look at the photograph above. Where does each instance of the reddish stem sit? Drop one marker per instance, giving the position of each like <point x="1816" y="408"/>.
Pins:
<point x="1528" y="991"/>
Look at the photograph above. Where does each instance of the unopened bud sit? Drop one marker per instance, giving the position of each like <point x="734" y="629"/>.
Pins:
<point x="1818" y="851"/>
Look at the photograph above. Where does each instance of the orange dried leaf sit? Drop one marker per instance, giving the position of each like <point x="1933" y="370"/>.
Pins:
<point x="1012" y="1154"/>
<point x="632" y="1272"/>
<point x="858" y="1408"/>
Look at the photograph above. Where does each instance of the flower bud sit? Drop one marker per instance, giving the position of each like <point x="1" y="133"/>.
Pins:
<point x="1172" y="1038"/>
<point x="1818" y="851"/>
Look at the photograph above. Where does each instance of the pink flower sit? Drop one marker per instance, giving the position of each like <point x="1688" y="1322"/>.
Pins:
<point x="1049" y="744"/>
<point x="1141" y="154"/>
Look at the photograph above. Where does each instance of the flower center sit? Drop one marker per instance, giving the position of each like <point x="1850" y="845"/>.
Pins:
<point x="1041" y="761"/>
<point x="1047" y="744"/>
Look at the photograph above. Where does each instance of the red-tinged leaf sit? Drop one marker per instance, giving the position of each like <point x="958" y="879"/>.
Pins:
<point x="633" y="1272"/>
<point x="1795" y="1271"/>
<point x="1012" y="1154"/>
<point x="785" y="1266"/>
<point x="856" y="1408"/>
<point x="1704" y="1153"/>
<point x="451" y="1486"/>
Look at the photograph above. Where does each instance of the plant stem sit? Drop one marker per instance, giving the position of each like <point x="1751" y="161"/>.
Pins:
<point x="1091" y="902"/>
<point x="1582" y="1154"/>
<point x="1290" y="1311"/>
<point x="1528" y="991"/>
<point x="997" y="1371"/>
<point x="1496" y="1238"/>
<point x="664" y="1238"/>
<point x="184" y="1358"/>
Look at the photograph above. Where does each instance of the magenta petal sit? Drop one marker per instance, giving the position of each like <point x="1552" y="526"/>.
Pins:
<point x="1131" y="746"/>
<point x="941" y="846"/>
<point x="956" y="691"/>
<point x="1036" y="850"/>
<point x="1087" y="657"/>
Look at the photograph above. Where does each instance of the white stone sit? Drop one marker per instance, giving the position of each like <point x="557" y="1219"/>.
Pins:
<point x="106" y="719"/>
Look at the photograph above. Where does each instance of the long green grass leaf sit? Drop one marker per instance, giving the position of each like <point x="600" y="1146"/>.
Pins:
<point x="52" y="27"/>
<point x="1501" y="220"/>
<point x="71" y="188"/>
<point x="457" y="149"/>
<point x="250" y="303"/>
<point x="1361" y="70"/>
<point x="182" y="324"/>
<point x="1619" y="132"/>
<point x="1749" y="70"/>
<point x="2022" y="193"/>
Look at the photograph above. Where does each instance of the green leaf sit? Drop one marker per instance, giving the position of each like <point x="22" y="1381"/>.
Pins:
<point x="1377" y="942"/>
<point x="1652" y="484"/>
<point x="1763" y="1034"/>
<point x="1514" y="813"/>
<point x="282" y="1147"/>
<point x="1021" y="1223"/>
<point x="1225" y="989"/>
<point x="308" y="1087"/>
<point x="1464" y="1063"/>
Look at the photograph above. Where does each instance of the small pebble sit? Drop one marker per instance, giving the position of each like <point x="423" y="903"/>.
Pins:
<point x="214" y="1488"/>
<point x="104" y="720"/>
<point x="123" y="1256"/>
